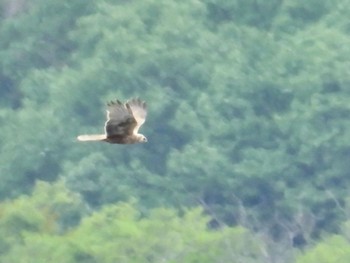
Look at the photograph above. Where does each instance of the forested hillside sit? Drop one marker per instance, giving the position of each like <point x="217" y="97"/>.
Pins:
<point x="248" y="131"/>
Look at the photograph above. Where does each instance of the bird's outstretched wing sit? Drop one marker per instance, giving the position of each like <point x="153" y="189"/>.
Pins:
<point x="120" y="120"/>
<point x="91" y="137"/>
<point x="139" y="111"/>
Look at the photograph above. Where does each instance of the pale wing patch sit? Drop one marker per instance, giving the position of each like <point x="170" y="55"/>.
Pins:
<point x="92" y="137"/>
<point x="139" y="110"/>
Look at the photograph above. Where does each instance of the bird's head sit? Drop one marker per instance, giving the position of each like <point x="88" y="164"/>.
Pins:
<point x="141" y="138"/>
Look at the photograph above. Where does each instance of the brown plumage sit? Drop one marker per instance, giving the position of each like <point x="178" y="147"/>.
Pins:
<point x="123" y="123"/>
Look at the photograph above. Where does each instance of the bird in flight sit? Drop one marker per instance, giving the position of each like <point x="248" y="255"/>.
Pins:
<point x="123" y="123"/>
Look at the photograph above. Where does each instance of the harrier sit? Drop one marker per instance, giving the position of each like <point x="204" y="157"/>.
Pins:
<point x="123" y="123"/>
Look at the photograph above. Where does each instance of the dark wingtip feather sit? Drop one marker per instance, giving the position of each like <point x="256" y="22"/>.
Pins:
<point x="136" y="101"/>
<point x="114" y="102"/>
<point x="111" y="103"/>
<point x="139" y="102"/>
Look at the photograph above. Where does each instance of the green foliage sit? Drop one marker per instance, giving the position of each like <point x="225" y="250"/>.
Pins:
<point x="248" y="116"/>
<point x="254" y="13"/>
<point x="50" y="210"/>
<point x="36" y="37"/>
<point x="116" y="233"/>
<point x="334" y="249"/>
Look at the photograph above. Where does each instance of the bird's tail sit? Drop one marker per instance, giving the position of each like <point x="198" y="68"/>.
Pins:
<point x="92" y="137"/>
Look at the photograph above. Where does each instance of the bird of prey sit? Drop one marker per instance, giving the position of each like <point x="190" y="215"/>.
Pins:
<point x="123" y="123"/>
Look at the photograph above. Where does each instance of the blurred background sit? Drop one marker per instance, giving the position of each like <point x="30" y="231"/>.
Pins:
<point x="248" y="131"/>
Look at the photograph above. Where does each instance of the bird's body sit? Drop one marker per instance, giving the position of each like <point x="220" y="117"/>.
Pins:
<point x="123" y="123"/>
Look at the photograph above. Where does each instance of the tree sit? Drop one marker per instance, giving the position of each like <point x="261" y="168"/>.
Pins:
<point x="37" y="230"/>
<point x="51" y="209"/>
<point x="334" y="249"/>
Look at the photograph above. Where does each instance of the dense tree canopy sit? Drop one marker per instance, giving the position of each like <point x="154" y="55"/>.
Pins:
<point x="248" y="130"/>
